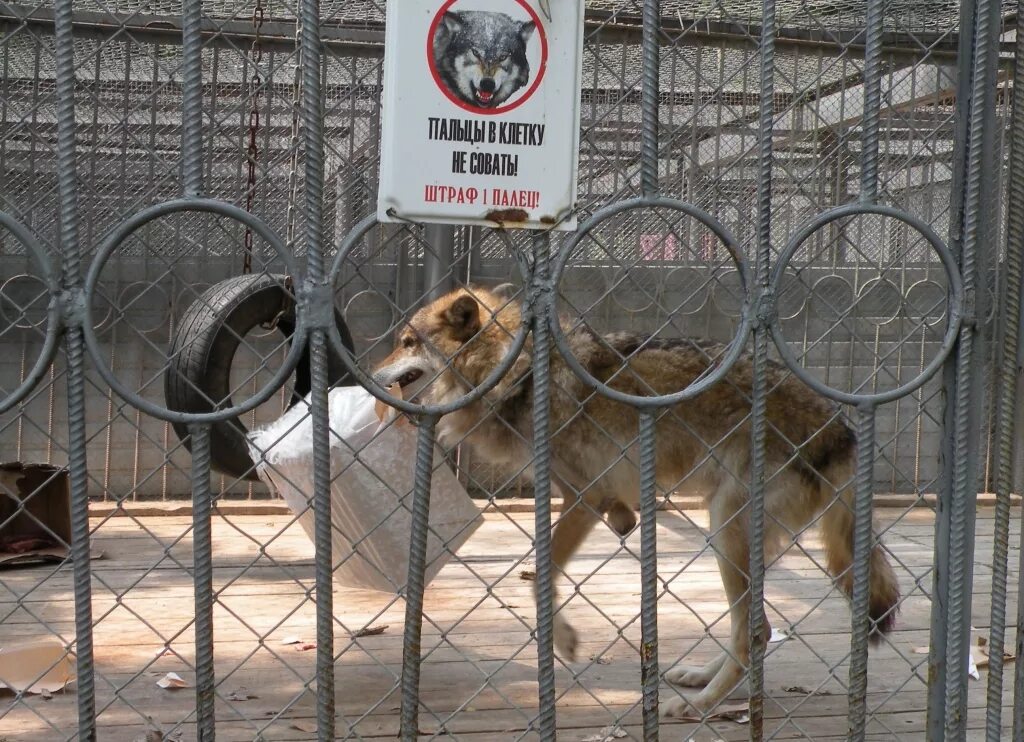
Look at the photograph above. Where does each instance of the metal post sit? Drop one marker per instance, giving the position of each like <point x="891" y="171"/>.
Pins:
<point x="937" y="669"/>
<point x="1006" y="405"/>
<point x="71" y="284"/>
<point x="964" y="411"/>
<point x="759" y="390"/>
<point x="649" y="674"/>
<point x="438" y="276"/>
<point x="649" y="92"/>
<point x="312" y="126"/>
<point x="202" y="576"/>
<point x="864" y="479"/>
<point x="649" y="121"/>
<point x="411" y="640"/>
<point x="541" y="296"/>
<point x="202" y="546"/>
<point x="862" y="545"/>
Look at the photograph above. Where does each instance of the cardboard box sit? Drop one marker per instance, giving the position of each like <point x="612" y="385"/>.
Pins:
<point x="35" y="514"/>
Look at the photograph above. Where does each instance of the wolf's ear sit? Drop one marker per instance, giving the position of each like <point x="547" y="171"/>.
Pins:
<point x="463" y="317"/>
<point x="526" y="30"/>
<point x="451" y="22"/>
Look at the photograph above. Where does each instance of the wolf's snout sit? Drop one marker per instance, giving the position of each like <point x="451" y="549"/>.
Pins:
<point x="485" y="90"/>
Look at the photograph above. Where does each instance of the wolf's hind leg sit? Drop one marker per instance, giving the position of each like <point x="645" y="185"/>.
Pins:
<point x="733" y="555"/>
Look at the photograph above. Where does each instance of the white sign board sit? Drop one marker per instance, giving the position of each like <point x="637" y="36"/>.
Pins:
<point x="481" y="112"/>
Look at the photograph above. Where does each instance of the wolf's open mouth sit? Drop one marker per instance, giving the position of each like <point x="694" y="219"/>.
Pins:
<point x="409" y="377"/>
<point x="483" y="97"/>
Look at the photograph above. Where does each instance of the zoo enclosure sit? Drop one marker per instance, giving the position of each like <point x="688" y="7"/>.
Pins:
<point x="868" y="303"/>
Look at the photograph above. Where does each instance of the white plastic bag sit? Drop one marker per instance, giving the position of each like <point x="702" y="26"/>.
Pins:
<point x="371" y="490"/>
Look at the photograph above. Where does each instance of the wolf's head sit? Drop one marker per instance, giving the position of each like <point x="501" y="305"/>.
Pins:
<point x="481" y="56"/>
<point x="450" y="346"/>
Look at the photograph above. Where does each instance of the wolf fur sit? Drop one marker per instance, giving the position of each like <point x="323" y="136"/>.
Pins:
<point x="454" y="343"/>
<point x="481" y="56"/>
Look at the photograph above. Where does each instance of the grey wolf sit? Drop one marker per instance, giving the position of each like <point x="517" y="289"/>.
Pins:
<point x="454" y="343"/>
<point x="481" y="56"/>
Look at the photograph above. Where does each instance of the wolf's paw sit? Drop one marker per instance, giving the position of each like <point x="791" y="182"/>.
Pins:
<point x="565" y="638"/>
<point x="688" y="676"/>
<point x="679" y="708"/>
<point x="621" y="519"/>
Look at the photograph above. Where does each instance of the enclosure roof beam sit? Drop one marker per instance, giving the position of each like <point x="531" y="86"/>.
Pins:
<point x="166" y="29"/>
<point x="908" y="88"/>
<point x="367" y="39"/>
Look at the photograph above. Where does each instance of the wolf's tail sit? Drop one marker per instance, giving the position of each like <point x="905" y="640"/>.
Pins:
<point x="837" y="524"/>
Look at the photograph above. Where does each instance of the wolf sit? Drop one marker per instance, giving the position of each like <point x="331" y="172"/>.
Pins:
<point x="454" y="343"/>
<point x="481" y="56"/>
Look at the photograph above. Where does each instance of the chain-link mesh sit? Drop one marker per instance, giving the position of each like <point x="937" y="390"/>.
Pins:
<point x="811" y="203"/>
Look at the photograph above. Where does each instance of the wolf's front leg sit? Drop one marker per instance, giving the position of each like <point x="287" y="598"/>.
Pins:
<point x="732" y="555"/>
<point x="576" y="521"/>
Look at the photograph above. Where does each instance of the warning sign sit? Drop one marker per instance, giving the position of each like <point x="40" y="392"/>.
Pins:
<point x="481" y="112"/>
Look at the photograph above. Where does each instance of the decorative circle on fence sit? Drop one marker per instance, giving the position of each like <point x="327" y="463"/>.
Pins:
<point x="351" y="241"/>
<point x="135" y="292"/>
<point x="17" y="299"/>
<point x="693" y="288"/>
<point x="368" y="303"/>
<point x="735" y="348"/>
<point x="53" y="319"/>
<point x="925" y="296"/>
<point x="828" y="294"/>
<point x="955" y="302"/>
<point x="128" y="227"/>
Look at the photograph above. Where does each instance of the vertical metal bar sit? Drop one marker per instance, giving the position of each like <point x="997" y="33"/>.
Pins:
<point x="202" y="503"/>
<point x="862" y="544"/>
<point x="649" y="122"/>
<point x="67" y="174"/>
<point x="438" y="278"/>
<point x="1018" y="687"/>
<point x="970" y="353"/>
<point x="1006" y="405"/>
<point x="312" y="124"/>
<point x="872" y="101"/>
<point x="939" y="633"/>
<point x="192" y="97"/>
<point x="649" y="98"/>
<point x="411" y="641"/>
<point x="860" y="622"/>
<point x="202" y="575"/>
<point x="649" y="674"/>
<point x="542" y="298"/>
<point x="759" y="391"/>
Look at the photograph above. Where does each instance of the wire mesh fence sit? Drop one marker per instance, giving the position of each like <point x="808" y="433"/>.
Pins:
<point x="808" y="204"/>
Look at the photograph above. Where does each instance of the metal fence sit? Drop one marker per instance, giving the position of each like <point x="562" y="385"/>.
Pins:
<point x="826" y="186"/>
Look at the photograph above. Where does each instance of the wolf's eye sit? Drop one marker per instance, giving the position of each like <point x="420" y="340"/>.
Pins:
<point x="478" y="55"/>
<point x="408" y="341"/>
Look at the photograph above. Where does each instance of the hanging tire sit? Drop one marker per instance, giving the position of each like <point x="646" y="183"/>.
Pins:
<point x="198" y="375"/>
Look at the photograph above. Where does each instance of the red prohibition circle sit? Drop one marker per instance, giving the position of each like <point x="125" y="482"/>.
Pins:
<point x="500" y="109"/>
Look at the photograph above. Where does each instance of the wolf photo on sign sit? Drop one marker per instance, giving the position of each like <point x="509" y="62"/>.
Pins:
<point x="480" y="115"/>
<point x="482" y="60"/>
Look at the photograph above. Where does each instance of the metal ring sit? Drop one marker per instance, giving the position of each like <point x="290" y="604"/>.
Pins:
<point x="367" y="382"/>
<point x="114" y="240"/>
<point x="955" y="303"/>
<point x="53" y="318"/>
<point x="147" y="285"/>
<point x="348" y="320"/>
<point x="735" y="348"/>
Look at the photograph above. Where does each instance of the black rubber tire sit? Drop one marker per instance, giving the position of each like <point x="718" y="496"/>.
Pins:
<point x="203" y="349"/>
